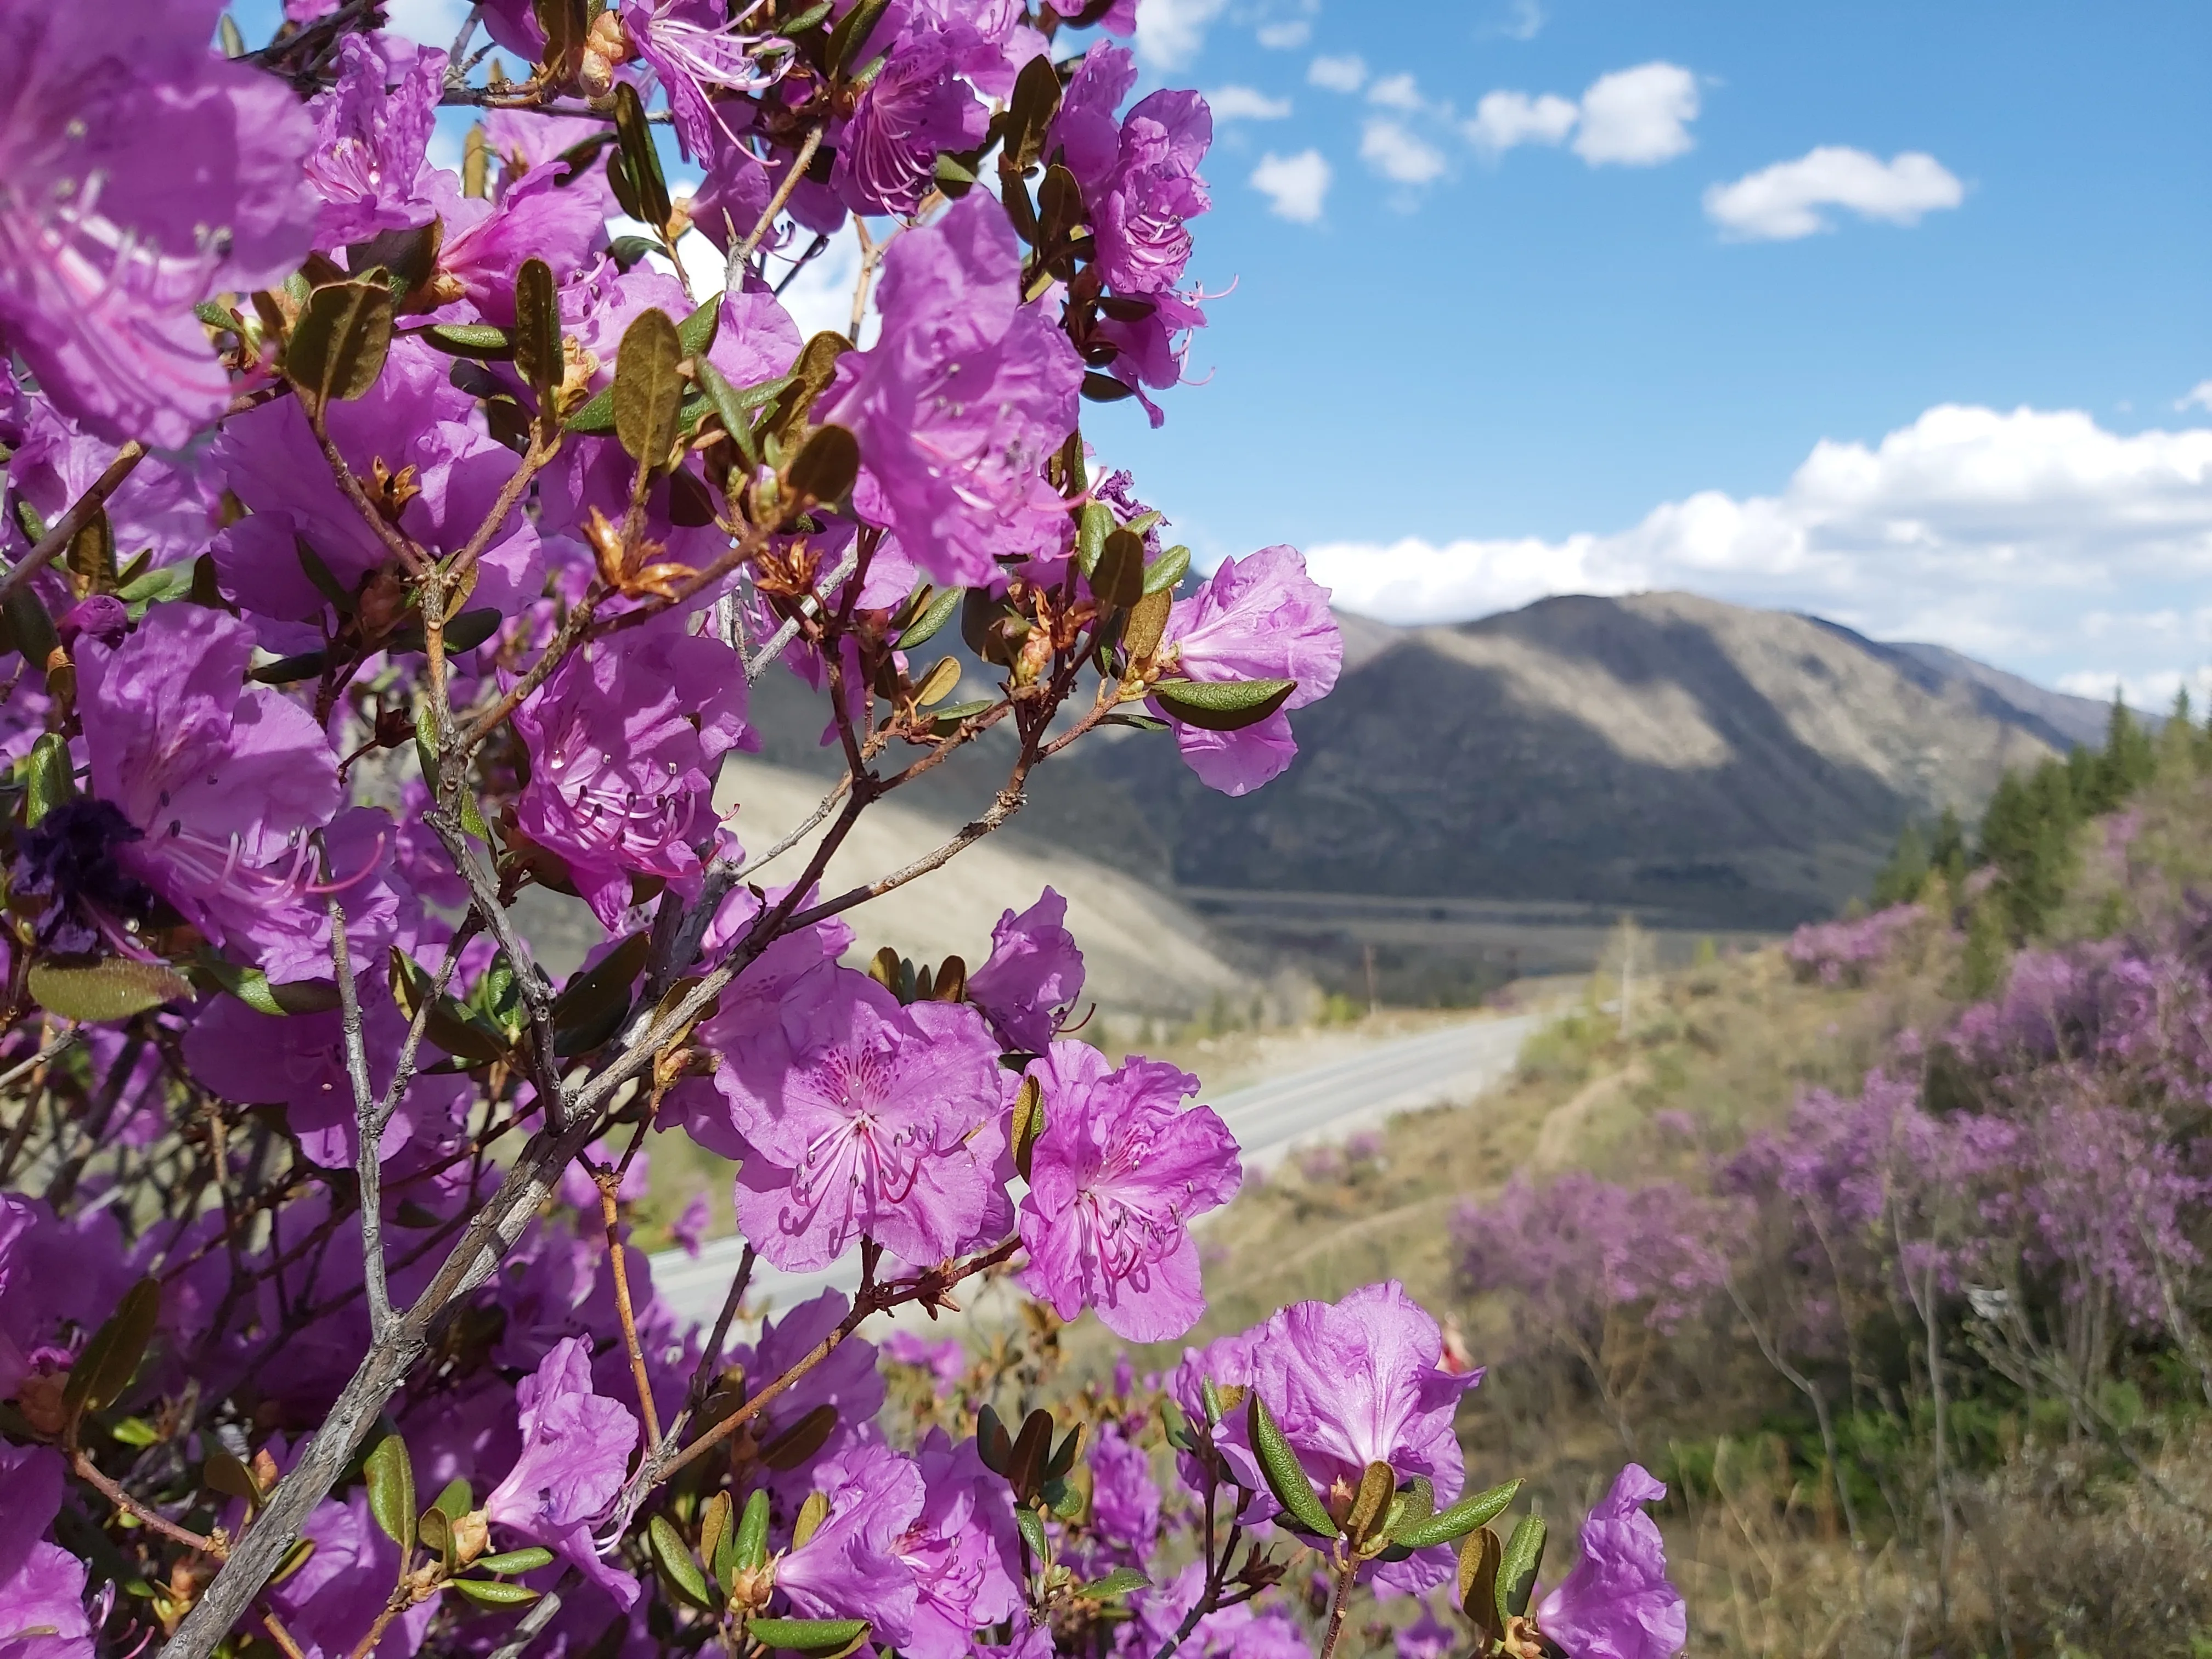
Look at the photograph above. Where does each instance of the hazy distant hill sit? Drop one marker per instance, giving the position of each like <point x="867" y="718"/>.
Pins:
<point x="1739" y="768"/>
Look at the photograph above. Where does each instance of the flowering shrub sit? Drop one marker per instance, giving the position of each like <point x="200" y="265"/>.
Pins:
<point x="1843" y="952"/>
<point x="385" y="540"/>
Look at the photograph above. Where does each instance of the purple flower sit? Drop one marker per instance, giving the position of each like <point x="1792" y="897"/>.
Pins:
<point x="1616" y="1603"/>
<point x="1139" y="208"/>
<point x="538" y="216"/>
<point x="1358" y="1382"/>
<point x="575" y="1446"/>
<point x="624" y="741"/>
<point x="851" y="1568"/>
<point x="370" y="160"/>
<point x="945" y="1360"/>
<point x="964" y="1550"/>
<point x="42" y="1585"/>
<point x="913" y="108"/>
<point x="215" y="787"/>
<point x="1033" y="977"/>
<point x="144" y="173"/>
<point x="53" y="1273"/>
<point x="338" y="1593"/>
<point x="847" y="1382"/>
<point x="866" y="1118"/>
<point x="298" y="1061"/>
<point x="1125" y="1502"/>
<point x="964" y="396"/>
<point x="1427" y="1637"/>
<point x="428" y="436"/>
<point x="1263" y="618"/>
<point x="1115" y="1180"/>
<point x="693" y="50"/>
<point x="689" y="1229"/>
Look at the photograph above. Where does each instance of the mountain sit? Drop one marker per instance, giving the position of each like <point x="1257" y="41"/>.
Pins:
<point x="1717" y="766"/>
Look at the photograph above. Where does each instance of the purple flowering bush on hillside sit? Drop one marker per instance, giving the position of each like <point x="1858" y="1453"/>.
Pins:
<point x="328" y="1320"/>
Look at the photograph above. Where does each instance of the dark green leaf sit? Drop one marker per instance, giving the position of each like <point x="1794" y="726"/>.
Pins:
<point x="1031" y="1527"/>
<point x="450" y="1026"/>
<point x="1059" y="205"/>
<point x="405" y="258"/>
<point x="648" y="388"/>
<point x="626" y="251"/>
<point x="714" y="1531"/>
<point x="992" y="1444"/>
<point x="253" y="988"/>
<point x="751" y="1547"/>
<point x="938" y="612"/>
<point x="851" y="35"/>
<point x="696" y="333"/>
<point x="480" y="341"/>
<point x="1414" y="1502"/>
<point x="946" y="720"/>
<point x="391" y="1474"/>
<point x="1029" y="114"/>
<point x="1165" y="572"/>
<point x="30" y="626"/>
<point x="1518" y="1566"/>
<point x="225" y="1475"/>
<point x="1478" y="1584"/>
<point x="290" y="670"/>
<point x="493" y="1592"/>
<point x="673" y="1557"/>
<point x="326" y="580"/>
<point x="595" y="415"/>
<point x="1064" y="1459"/>
<point x="597" y="999"/>
<point x="537" y="354"/>
<point x="812" y="17"/>
<point x="1032" y="1447"/>
<point x="522" y="1560"/>
<point x="454" y="1500"/>
<point x="1029" y="1123"/>
<point x="809" y="378"/>
<point x="1120" y="1582"/>
<point x="1223" y="705"/>
<point x="1285" y="1477"/>
<point x="114" y="989"/>
<point x="112" y="1357"/>
<point x="48" y="780"/>
<point x="1105" y="389"/>
<point x="825" y="469"/>
<point x="640" y="160"/>
<point x="463" y="633"/>
<point x="808" y="1635"/>
<point x="338" y="346"/>
<point x="1119" y="578"/>
<point x="1092" y="526"/>
<point x="1449" y="1525"/>
<point x="801" y="1440"/>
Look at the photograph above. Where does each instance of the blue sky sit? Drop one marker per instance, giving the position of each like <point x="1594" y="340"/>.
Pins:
<point x="1535" y="346"/>
<point x="1897" y="314"/>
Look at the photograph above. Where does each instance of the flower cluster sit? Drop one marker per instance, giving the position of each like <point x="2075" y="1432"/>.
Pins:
<point x="1844" y="952"/>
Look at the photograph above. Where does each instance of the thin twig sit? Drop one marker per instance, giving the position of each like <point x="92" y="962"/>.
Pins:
<point x="533" y="1623"/>
<point x="734" y="275"/>
<point x="88" y="1472"/>
<point x="64" y="530"/>
<point x="66" y="1040"/>
<point x="607" y="1181"/>
<point x="369" y="1160"/>
<point x="773" y="645"/>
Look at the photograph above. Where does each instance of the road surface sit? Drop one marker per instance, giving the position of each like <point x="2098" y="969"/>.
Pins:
<point x="1270" y="1120"/>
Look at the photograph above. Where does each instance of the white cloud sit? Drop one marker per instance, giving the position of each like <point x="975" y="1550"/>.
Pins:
<point x="1170" y="32"/>
<point x="433" y="22"/>
<point x="1504" y="119"/>
<point x="1395" y="91"/>
<point x="1286" y="36"/>
<point x="1245" y="104"/>
<point x="1638" y="116"/>
<point x="1398" y="154"/>
<point x="1784" y="202"/>
<point x="2002" y="534"/>
<point x="1295" y="184"/>
<point x="2197" y="397"/>
<point x="1347" y="74"/>
<point x="1527" y="19"/>
<point x="820" y="296"/>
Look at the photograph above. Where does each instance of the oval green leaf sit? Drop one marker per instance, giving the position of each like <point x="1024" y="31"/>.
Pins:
<point x="1286" y="1476"/>
<point x="1223" y="705"/>
<point x="391" y="1475"/>
<point x="114" y="989"/>
<point x="648" y="390"/>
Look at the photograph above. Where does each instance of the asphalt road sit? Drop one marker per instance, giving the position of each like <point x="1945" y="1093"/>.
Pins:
<point x="1270" y="1120"/>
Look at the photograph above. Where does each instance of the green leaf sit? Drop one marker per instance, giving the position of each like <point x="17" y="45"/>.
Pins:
<point x="521" y="1560"/>
<point x="640" y="159"/>
<point x="1030" y="1525"/>
<point x="595" y="417"/>
<point x="455" y="1500"/>
<point x="1517" y="1567"/>
<point x="338" y="345"/>
<point x="480" y="341"/>
<point x="1177" y="1426"/>
<point x="1064" y="1459"/>
<point x="465" y="632"/>
<point x="812" y="17"/>
<point x="714" y="1531"/>
<point x="295" y="1559"/>
<point x="493" y="1592"/>
<point x="1164" y="574"/>
<point x="947" y="719"/>
<point x="538" y="356"/>
<point x="91" y="557"/>
<point x="1029" y="1123"/>
<point x="851" y="35"/>
<point x="1092" y="526"/>
<point x="1449" y="1525"/>
<point x="696" y="333"/>
<point x="812" y="1514"/>
<point x="1377" y="1485"/>
<point x="1105" y="389"/>
<point x="450" y="1026"/>
<point x="391" y="1475"/>
<point x="28" y="623"/>
<point x="1032" y="1447"/>
<point x="1223" y="705"/>
<point x="751" y="1547"/>
<point x="938" y="612"/>
<point x="592" y="1003"/>
<point x="326" y="580"/>
<point x="1029" y="114"/>
<point x="730" y="407"/>
<point x="808" y="1635"/>
<point x="673" y="1557"/>
<point x="1285" y="1477"/>
<point x="1120" y="1582"/>
<point x="825" y="469"/>
<point x="290" y="670"/>
<point x="648" y="390"/>
<point x="1414" y="1502"/>
<point x="434" y="1528"/>
<point x="252" y="987"/>
<point x="801" y="1440"/>
<point x="112" y="1357"/>
<point x="223" y="1473"/>
<point x="809" y="378"/>
<point x="48" y="780"/>
<point x="111" y="990"/>
<point x="992" y="1444"/>
<point x="1119" y="580"/>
